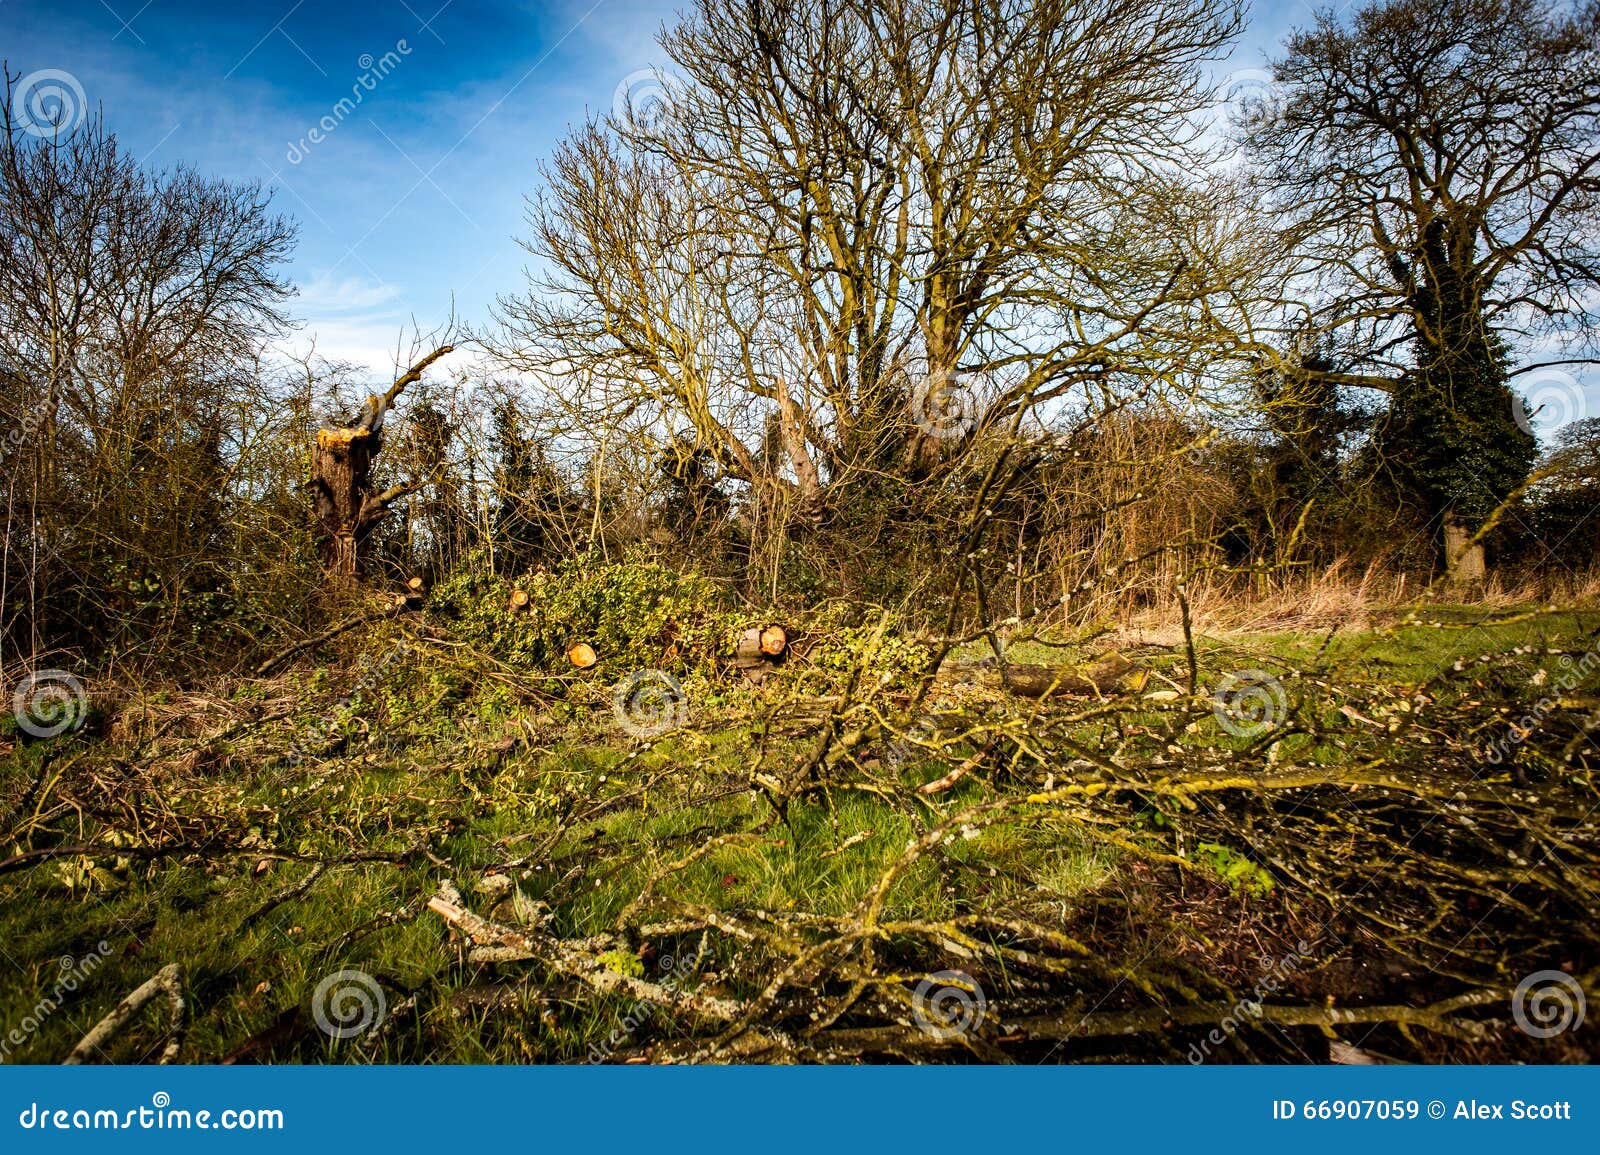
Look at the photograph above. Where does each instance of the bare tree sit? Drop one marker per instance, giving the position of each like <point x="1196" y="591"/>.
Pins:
<point x="862" y="233"/>
<point x="131" y="306"/>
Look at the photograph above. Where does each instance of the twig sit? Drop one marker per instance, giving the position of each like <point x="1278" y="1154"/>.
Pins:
<point x="361" y="619"/>
<point x="496" y="943"/>
<point x="289" y="893"/>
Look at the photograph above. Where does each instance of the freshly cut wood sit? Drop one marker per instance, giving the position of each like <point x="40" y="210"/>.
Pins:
<point x="582" y="655"/>
<point x="347" y="507"/>
<point x="761" y="644"/>
<point x="519" y="601"/>
<point x="416" y="584"/>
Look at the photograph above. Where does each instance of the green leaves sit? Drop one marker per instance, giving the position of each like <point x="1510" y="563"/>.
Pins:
<point x="622" y="963"/>
<point x="1241" y="875"/>
<point x="634" y="613"/>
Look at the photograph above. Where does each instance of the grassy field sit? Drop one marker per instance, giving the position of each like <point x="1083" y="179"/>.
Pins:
<point x="265" y="837"/>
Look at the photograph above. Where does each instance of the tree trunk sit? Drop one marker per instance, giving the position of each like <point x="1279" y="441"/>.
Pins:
<point x="340" y="467"/>
<point x="341" y="471"/>
<point x="1463" y="557"/>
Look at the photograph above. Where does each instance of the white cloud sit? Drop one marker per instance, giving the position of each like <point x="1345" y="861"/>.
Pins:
<point x="324" y="294"/>
<point x="352" y="319"/>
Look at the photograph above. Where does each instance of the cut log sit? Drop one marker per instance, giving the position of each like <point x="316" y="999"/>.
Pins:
<point x="414" y="593"/>
<point x="748" y="647"/>
<point x="761" y="644"/>
<point x="520" y="600"/>
<point x="582" y="655"/>
<point x="759" y="650"/>
<point x="1110" y="674"/>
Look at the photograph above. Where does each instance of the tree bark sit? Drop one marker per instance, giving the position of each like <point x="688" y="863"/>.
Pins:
<point x="1463" y="558"/>
<point x="341" y="470"/>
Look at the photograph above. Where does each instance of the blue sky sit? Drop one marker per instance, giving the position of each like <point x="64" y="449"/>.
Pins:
<point x="417" y="193"/>
<point x="415" y="197"/>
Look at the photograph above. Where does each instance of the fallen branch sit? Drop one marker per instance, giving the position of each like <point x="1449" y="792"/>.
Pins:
<point x="941" y="784"/>
<point x="34" y="857"/>
<point x="168" y="981"/>
<point x="497" y="943"/>
<point x="361" y="619"/>
<point x="911" y="1041"/>
<point x="291" y="893"/>
<point x="1110" y="674"/>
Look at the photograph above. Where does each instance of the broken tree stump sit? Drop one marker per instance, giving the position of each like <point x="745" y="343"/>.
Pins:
<point x="341" y="472"/>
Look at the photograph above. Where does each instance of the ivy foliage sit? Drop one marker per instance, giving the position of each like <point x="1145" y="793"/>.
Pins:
<point x="634" y="613"/>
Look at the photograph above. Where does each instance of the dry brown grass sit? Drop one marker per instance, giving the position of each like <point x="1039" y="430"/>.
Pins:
<point x="1337" y="596"/>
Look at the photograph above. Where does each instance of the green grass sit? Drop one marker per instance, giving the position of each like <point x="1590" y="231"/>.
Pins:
<point x="581" y="819"/>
